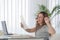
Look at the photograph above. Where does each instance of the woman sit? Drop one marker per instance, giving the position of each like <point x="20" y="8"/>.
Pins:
<point x="43" y="26"/>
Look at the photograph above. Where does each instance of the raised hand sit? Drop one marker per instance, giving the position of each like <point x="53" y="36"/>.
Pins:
<point x="47" y="21"/>
<point x="22" y="25"/>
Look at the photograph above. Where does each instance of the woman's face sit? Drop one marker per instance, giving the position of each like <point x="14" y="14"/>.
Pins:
<point x="40" y="18"/>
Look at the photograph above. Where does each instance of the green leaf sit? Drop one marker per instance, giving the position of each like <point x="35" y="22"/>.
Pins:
<point x="44" y="9"/>
<point x="55" y="9"/>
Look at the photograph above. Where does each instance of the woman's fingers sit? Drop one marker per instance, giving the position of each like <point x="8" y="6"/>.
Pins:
<point x="22" y="25"/>
<point x="46" y="20"/>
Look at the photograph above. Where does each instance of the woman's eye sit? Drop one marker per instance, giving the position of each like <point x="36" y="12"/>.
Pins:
<point x="40" y="17"/>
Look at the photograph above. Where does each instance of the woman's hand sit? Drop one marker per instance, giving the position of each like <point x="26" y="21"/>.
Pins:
<point x="47" y="21"/>
<point x="22" y="25"/>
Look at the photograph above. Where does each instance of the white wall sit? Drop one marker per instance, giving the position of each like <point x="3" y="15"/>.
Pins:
<point x="10" y="12"/>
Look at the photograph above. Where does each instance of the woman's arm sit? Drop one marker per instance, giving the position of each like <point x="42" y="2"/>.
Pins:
<point x="28" y="30"/>
<point x="31" y="30"/>
<point x="50" y="28"/>
<point x="24" y="26"/>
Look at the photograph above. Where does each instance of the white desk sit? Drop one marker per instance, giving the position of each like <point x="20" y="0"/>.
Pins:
<point x="18" y="37"/>
<point x="26" y="37"/>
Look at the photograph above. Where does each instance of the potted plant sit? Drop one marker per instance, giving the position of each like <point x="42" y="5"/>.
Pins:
<point x="56" y="9"/>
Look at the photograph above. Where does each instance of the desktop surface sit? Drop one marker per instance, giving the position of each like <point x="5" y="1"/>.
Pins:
<point x="19" y="37"/>
<point x="27" y="37"/>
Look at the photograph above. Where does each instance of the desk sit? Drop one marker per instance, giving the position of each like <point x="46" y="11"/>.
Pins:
<point x="26" y="37"/>
<point x="18" y="37"/>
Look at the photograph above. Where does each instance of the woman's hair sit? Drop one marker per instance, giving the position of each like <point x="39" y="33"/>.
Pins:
<point x="45" y="15"/>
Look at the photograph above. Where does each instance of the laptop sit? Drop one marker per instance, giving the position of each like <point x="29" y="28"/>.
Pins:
<point x="4" y="26"/>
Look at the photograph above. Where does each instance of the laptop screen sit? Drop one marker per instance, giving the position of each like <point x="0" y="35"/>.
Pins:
<point x="4" y="26"/>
